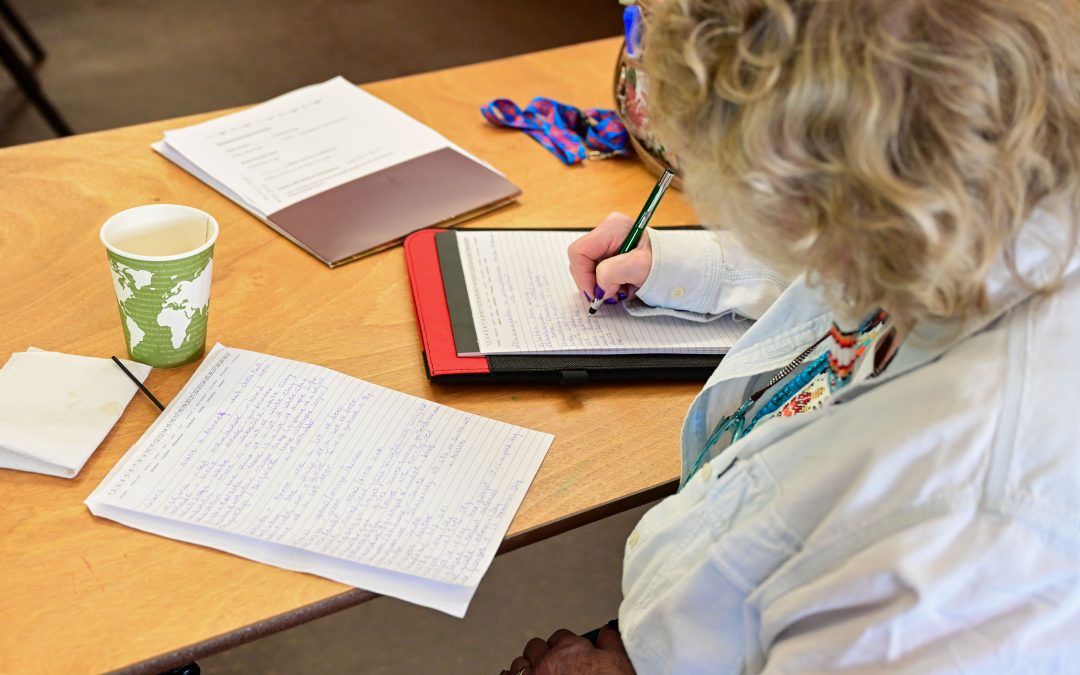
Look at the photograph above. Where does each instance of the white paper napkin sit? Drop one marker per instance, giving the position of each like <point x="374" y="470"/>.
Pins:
<point x="55" y="409"/>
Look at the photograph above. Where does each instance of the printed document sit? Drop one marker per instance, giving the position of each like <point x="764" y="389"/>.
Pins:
<point x="524" y="301"/>
<point x="302" y="143"/>
<point x="305" y="468"/>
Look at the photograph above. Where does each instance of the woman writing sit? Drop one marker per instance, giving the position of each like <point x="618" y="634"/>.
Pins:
<point x="883" y="472"/>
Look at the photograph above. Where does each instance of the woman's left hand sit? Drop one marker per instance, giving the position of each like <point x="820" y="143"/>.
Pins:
<point x="565" y="652"/>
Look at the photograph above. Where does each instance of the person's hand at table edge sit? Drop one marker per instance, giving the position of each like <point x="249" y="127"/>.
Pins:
<point x="565" y="653"/>
<point x="598" y="271"/>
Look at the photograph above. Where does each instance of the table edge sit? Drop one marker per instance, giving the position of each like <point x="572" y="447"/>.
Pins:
<point x="357" y="596"/>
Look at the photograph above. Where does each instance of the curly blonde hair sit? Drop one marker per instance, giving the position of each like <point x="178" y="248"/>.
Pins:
<point x="892" y="149"/>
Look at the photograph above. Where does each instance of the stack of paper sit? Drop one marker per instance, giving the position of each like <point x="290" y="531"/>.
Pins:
<point x="308" y="469"/>
<point x="336" y="170"/>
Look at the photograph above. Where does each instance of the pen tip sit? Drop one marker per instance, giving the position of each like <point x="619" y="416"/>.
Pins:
<point x="592" y="310"/>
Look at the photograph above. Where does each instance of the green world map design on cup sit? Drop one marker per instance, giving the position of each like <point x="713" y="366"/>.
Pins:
<point x="161" y="260"/>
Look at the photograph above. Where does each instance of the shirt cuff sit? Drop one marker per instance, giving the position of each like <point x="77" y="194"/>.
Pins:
<point x="707" y="282"/>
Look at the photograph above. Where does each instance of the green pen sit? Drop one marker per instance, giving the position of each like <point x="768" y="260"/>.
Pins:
<point x="634" y="235"/>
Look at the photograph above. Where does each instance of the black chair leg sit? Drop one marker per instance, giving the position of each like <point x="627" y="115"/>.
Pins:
<point x="37" y="54"/>
<point x="187" y="669"/>
<point x="26" y="80"/>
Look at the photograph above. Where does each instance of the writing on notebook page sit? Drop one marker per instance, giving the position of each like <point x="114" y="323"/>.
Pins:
<point x="520" y="308"/>
<point x="524" y="301"/>
<point x="298" y="455"/>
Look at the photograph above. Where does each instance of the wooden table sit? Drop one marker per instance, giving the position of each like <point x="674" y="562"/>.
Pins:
<point x="83" y="594"/>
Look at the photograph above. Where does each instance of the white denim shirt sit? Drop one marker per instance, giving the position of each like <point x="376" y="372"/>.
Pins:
<point x="926" y="520"/>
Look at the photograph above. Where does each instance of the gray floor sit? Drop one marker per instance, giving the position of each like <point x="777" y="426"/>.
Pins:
<point x="118" y="62"/>
<point x="569" y="581"/>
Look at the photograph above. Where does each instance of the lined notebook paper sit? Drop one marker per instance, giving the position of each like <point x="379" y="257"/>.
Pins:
<point x="308" y="469"/>
<point x="524" y="301"/>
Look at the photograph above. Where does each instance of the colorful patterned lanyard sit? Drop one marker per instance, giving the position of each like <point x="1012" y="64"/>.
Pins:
<point x="736" y="424"/>
<point x="570" y="134"/>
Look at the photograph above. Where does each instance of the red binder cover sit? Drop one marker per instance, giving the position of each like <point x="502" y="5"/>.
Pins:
<point x="432" y="311"/>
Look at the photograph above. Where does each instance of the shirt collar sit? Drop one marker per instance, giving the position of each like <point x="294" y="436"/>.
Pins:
<point x="1039" y="252"/>
<point x="1039" y="259"/>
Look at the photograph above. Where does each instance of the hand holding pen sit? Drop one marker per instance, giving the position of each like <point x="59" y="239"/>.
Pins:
<point x="611" y="261"/>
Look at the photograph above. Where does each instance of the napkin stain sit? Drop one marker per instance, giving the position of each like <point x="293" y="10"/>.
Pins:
<point x="110" y="408"/>
<point x="105" y="407"/>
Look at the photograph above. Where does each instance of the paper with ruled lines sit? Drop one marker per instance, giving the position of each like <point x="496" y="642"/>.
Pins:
<point x="524" y="301"/>
<point x="305" y="468"/>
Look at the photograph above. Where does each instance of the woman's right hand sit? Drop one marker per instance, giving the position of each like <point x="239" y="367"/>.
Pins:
<point x="597" y="273"/>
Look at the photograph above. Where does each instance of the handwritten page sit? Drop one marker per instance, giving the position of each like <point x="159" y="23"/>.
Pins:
<point x="525" y="302"/>
<point x="305" y="468"/>
<point x="302" y="143"/>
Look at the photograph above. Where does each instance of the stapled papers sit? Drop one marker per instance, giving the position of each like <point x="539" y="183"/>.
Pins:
<point x="336" y="170"/>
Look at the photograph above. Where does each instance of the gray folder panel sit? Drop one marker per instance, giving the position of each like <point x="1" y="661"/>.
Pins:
<point x="441" y="187"/>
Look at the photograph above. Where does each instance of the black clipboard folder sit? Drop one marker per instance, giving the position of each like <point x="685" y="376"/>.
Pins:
<point x="444" y="319"/>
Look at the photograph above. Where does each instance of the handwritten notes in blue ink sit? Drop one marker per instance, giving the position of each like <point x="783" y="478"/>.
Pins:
<point x="524" y="301"/>
<point x="305" y="468"/>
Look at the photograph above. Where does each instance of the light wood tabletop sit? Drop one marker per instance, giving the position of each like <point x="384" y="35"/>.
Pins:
<point x="87" y="595"/>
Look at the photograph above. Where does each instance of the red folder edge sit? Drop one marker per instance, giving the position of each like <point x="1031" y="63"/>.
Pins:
<point x="432" y="312"/>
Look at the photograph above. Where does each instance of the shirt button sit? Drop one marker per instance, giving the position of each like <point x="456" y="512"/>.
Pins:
<point x="634" y="536"/>
<point x="705" y="471"/>
<point x="678" y="292"/>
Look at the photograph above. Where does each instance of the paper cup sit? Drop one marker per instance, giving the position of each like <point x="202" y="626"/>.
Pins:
<point x="161" y="257"/>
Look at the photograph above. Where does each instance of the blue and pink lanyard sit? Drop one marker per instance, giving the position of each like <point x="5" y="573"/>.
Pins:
<point x="570" y="134"/>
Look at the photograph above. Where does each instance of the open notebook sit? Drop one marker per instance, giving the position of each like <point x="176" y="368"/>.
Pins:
<point x="534" y="323"/>
<point x="522" y="300"/>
